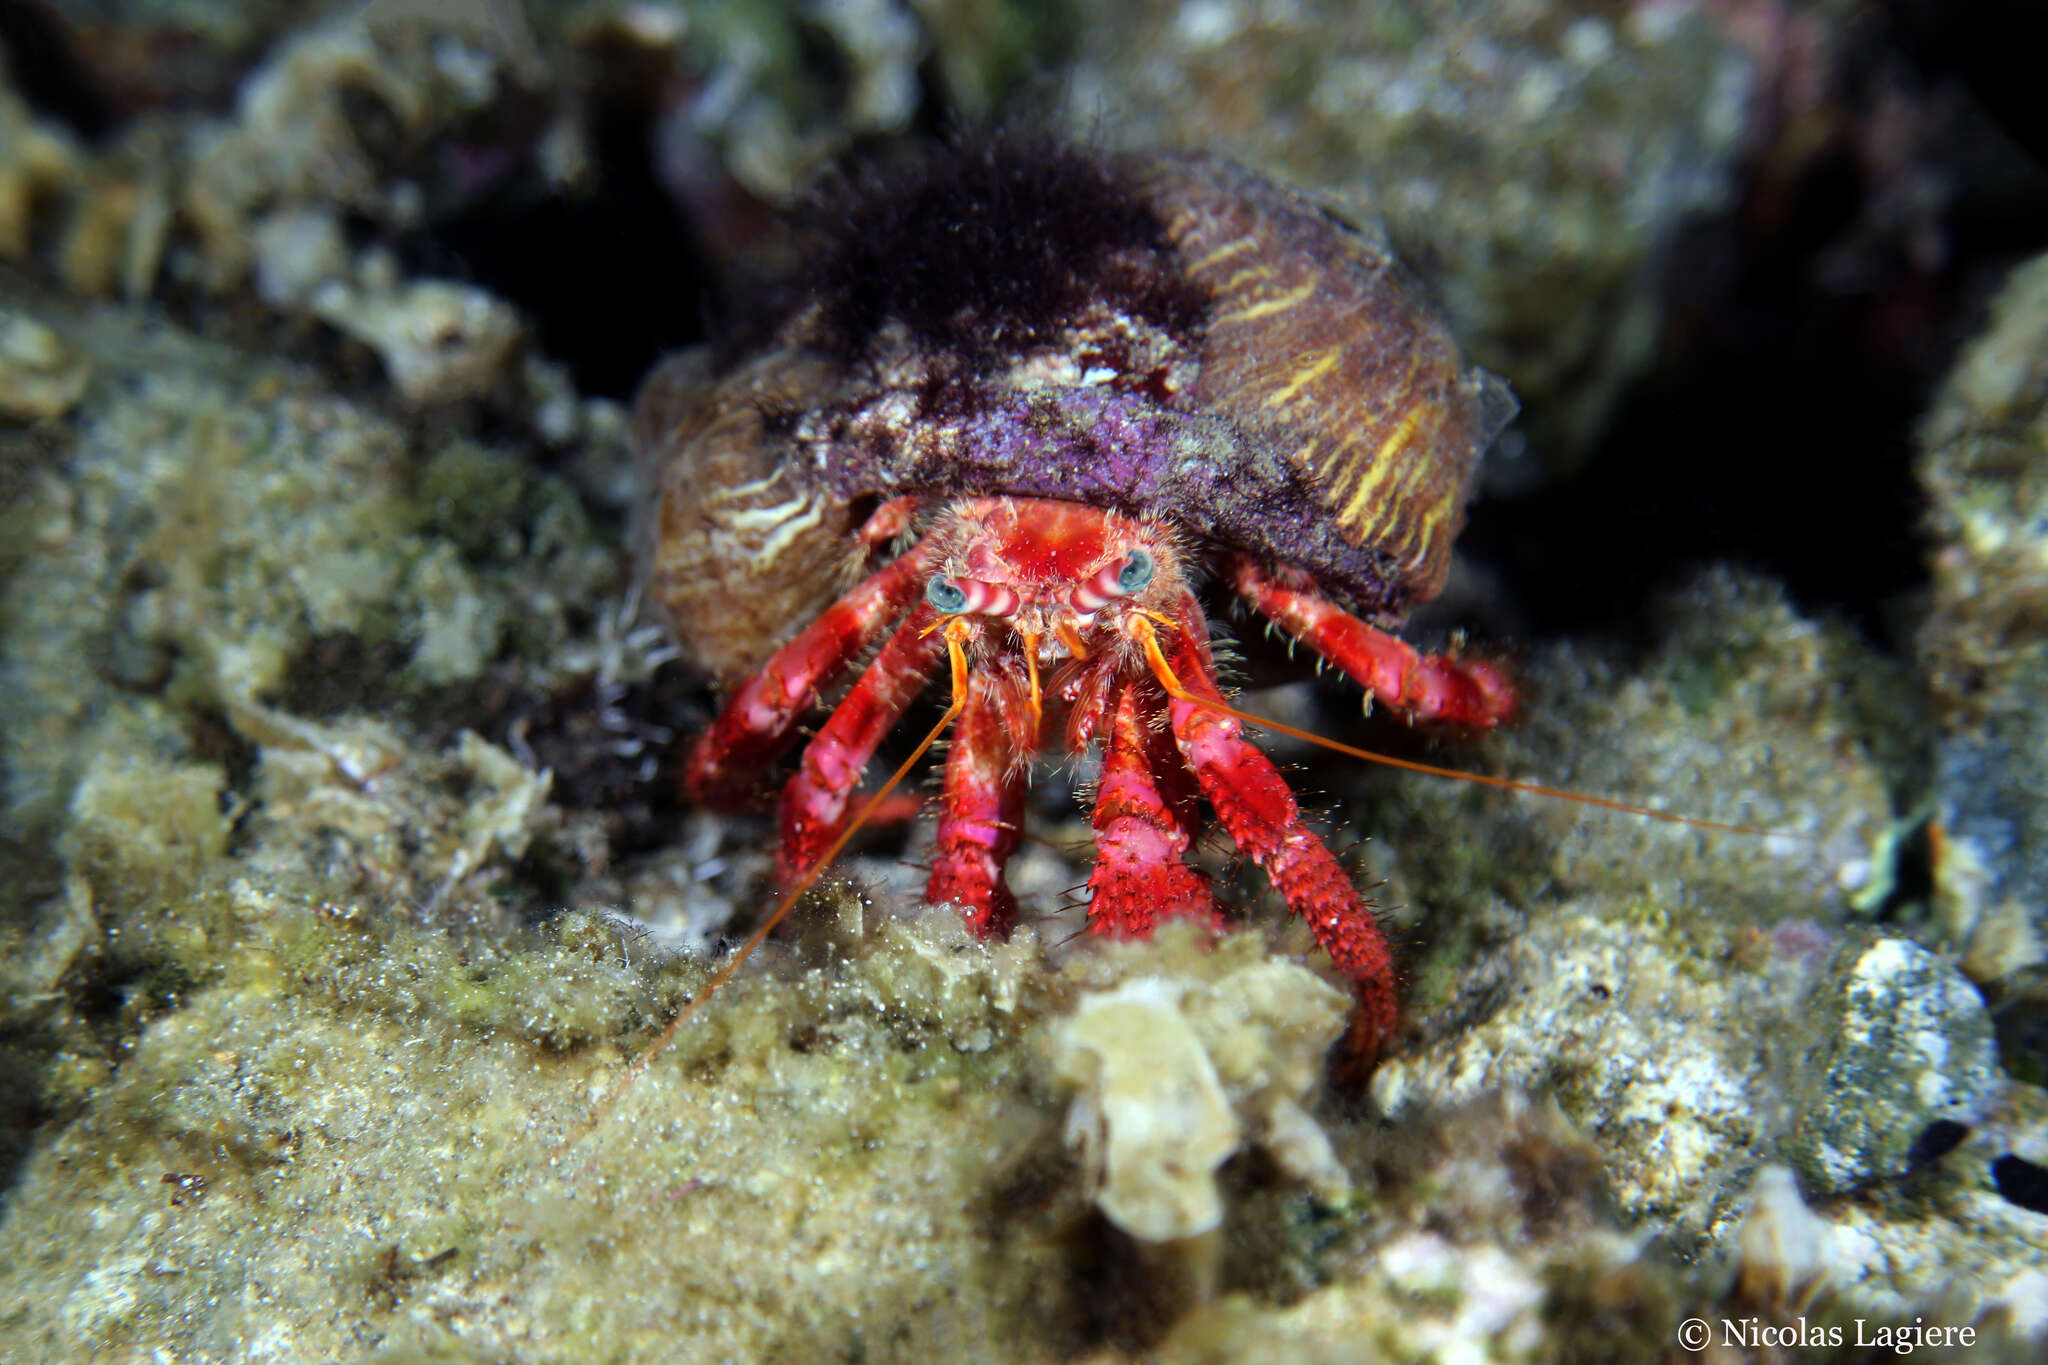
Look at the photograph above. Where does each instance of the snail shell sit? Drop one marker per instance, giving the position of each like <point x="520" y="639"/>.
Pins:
<point x="1173" y="337"/>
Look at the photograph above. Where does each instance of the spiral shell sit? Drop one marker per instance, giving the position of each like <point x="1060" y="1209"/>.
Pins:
<point x="738" y="550"/>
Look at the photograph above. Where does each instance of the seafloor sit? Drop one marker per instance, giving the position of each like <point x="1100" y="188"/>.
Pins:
<point x="342" y="870"/>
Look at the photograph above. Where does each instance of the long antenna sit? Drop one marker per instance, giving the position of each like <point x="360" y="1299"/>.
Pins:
<point x="1168" y="679"/>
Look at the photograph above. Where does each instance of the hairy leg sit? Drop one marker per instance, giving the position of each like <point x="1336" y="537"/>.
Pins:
<point x="759" y="723"/>
<point x="814" y="800"/>
<point x="1424" y="687"/>
<point x="981" y="808"/>
<point x="1144" y="820"/>
<point x="1254" y="804"/>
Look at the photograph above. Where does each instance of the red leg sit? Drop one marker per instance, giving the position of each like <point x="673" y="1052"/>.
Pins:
<point x="814" y="801"/>
<point x="1252" y="800"/>
<point x="888" y="521"/>
<point x="981" y="812"/>
<point x="1144" y="818"/>
<point x="760" y="720"/>
<point x="1424" y="687"/>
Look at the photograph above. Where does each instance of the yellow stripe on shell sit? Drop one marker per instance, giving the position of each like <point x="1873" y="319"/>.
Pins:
<point x="1225" y="252"/>
<point x="1303" y="377"/>
<point x="1375" y="474"/>
<point x="1279" y="303"/>
<point x="1406" y="478"/>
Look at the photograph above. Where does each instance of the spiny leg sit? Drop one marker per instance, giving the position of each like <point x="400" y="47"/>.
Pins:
<point x="1423" y="687"/>
<point x="981" y="809"/>
<point x="760" y="720"/>
<point x="1144" y="818"/>
<point x="814" y="800"/>
<point x="1254" y="804"/>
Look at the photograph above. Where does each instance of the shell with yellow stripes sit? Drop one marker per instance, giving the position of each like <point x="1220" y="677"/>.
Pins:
<point x="1164" y="336"/>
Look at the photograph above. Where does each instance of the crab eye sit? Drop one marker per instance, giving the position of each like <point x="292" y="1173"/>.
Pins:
<point x="1133" y="575"/>
<point x="1136" y="574"/>
<point x="971" y="597"/>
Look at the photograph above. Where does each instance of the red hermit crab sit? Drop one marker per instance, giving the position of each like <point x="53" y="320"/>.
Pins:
<point x="1031" y="401"/>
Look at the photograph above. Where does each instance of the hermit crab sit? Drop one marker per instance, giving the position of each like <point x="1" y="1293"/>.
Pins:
<point x="1029" y="403"/>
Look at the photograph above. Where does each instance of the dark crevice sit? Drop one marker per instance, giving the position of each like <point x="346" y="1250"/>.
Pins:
<point x="1802" y="343"/>
<point x="2022" y="1182"/>
<point x="38" y="53"/>
<point x="611" y="277"/>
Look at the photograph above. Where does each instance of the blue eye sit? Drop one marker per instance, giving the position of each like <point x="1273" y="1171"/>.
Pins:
<point x="943" y="593"/>
<point x="1136" y="573"/>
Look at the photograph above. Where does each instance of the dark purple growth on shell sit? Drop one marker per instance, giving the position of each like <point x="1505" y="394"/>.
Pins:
<point x="993" y="249"/>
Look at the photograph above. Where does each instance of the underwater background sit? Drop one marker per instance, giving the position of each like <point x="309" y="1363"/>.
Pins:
<point x="343" y="865"/>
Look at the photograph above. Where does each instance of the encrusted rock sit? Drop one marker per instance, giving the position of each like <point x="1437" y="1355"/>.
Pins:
<point x="441" y="342"/>
<point x="1908" y="1045"/>
<point x="1985" y="644"/>
<point x="40" y="376"/>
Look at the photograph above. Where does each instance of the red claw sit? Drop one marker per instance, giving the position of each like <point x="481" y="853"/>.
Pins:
<point x="759" y="723"/>
<point x="1141" y="831"/>
<point x="1468" y="693"/>
<point x="981" y="814"/>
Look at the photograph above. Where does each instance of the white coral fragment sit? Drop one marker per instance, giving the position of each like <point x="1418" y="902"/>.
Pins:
<point x="1152" y="1118"/>
<point x="40" y="376"/>
<point x="440" y="342"/>
<point x="1783" y="1247"/>
<point x="1173" y="1075"/>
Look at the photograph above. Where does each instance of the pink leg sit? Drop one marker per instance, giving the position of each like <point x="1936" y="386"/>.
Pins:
<point x="981" y="813"/>
<point x="888" y="521"/>
<point x="1425" y="687"/>
<point x="814" y="801"/>
<point x="1144" y="816"/>
<point x="760" y="720"/>
<point x="1253" y="801"/>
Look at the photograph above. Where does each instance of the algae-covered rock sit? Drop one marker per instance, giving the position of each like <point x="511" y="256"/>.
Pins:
<point x="440" y="342"/>
<point x="1985" y="644"/>
<point x="1651" y="977"/>
<point x="1905" y="1045"/>
<point x="40" y="377"/>
<point x="1670" y="1071"/>
<point x="220" y="523"/>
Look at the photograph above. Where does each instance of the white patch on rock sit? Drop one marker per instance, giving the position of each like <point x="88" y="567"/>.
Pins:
<point x="1173" y="1075"/>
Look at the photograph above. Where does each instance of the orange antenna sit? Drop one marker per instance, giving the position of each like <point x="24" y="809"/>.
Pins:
<point x="1142" y="629"/>
<point x="955" y="630"/>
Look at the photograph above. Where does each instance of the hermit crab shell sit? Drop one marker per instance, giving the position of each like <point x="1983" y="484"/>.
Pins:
<point x="1167" y="337"/>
